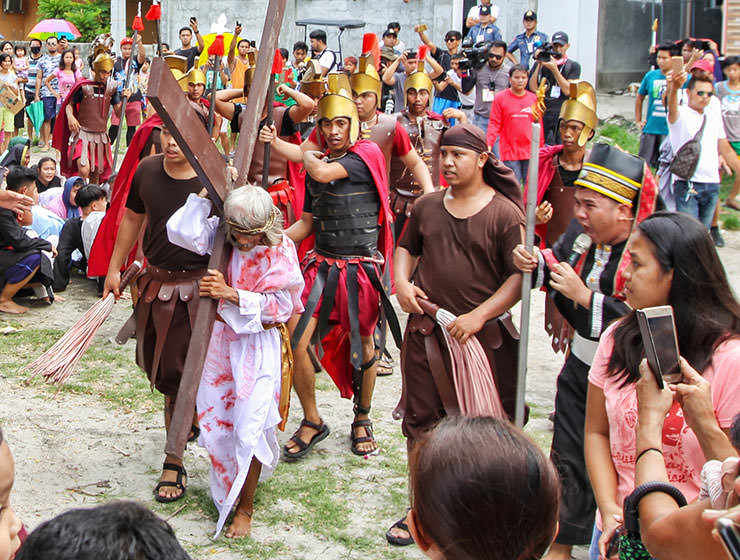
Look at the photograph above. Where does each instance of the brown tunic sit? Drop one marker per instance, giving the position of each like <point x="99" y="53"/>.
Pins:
<point x="462" y="263"/>
<point x="168" y="287"/>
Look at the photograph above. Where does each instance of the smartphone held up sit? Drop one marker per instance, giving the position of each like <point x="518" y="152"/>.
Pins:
<point x="658" y="330"/>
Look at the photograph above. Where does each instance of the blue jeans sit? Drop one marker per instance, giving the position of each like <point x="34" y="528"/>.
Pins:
<point x="696" y="199"/>
<point x="593" y="550"/>
<point x="520" y="167"/>
<point x="481" y="122"/>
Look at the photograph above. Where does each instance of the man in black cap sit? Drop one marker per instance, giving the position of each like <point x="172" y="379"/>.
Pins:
<point x="527" y="42"/>
<point x="460" y="232"/>
<point x="485" y="30"/>
<point x="557" y="71"/>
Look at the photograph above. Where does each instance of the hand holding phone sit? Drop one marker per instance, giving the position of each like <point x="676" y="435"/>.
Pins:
<point x="658" y="330"/>
<point x="676" y="64"/>
<point x="728" y="533"/>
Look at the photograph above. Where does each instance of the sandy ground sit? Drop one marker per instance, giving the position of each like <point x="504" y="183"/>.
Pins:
<point x="77" y="449"/>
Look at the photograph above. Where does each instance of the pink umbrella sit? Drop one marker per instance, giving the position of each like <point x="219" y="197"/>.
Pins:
<point x="57" y="27"/>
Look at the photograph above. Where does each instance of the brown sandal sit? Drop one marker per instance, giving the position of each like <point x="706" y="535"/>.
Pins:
<point x="322" y="430"/>
<point x="367" y="425"/>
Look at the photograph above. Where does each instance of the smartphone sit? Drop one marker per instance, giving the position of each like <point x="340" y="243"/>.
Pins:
<point x="676" y="64"/>
<point x="728" y="532"/>
<point x="658" y="330"/>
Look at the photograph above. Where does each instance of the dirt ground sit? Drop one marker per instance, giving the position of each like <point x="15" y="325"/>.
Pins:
<point x="83" y="445"/>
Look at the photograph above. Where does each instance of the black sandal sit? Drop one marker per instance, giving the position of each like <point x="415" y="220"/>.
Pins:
<point x="194" y="433"/>
<point x="181" y="473"/>
<point x="367" y="425"/>
<point x="399" y="541"/>
<point x="322" y="430"/>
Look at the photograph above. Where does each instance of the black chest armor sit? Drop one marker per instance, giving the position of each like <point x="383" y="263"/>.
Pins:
<point x="345" y="217"/>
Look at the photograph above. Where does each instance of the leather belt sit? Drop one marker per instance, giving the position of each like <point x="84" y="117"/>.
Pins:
<point x="583" y="348"/>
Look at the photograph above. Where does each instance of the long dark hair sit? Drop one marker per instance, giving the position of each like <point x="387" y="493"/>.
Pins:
<point x="704" y="305"/>
<point x="483" y="490"/>
<point x="61" y="60"/>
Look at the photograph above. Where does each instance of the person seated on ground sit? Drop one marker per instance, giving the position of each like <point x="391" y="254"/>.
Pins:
<point x="47" y="174"/>
<point x="64" y="204"/>
<point x="482" y="489"/>
<point x="17" y="154"/>
<point x="673" y="262"/>
<point x="241" y="397"/>
<point x="46" y="223"/>
<point x="78" y="234"/>
<point x="21" y="258"/>
<point x="123" y="530"/>
<point x="12" y="532"/>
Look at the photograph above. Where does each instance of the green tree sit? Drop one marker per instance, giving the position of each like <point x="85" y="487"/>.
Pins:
<point x="91" y="17"/>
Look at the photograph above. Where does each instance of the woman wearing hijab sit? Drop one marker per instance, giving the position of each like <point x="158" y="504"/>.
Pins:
<point x="65" y="205"/>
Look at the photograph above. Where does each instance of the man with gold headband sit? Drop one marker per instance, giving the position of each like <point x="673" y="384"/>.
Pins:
<point x="456" y="253"/>
<point x="613" y="192"/>
<point x="81" y="129"/>
<point x="244" y="391"/>
<point x="346" y="207"/>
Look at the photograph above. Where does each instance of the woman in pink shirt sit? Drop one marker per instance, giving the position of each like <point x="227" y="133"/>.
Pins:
<point x="673" y="262"/>
<point x="67" y="76"/>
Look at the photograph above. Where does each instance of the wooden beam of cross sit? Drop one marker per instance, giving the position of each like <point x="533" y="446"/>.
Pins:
<point x="193" y="139"/>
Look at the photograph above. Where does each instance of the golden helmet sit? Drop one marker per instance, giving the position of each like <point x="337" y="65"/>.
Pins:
<point x="366" y="79"/>
<point x="581" y="107"/>
<point x="312" y="83"/>
<point x="419" y="80"/>
<point x="193" y="76"/>
<point x="178" y="65"/>
<point x="102" y="60"/>
<point x="338" y="103"/>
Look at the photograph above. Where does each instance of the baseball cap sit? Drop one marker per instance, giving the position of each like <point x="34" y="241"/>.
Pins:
<point x="702" y="64"/>
<point x="530" y="14"/>
<point x="389" y="33"/>
<point x="127" y="41"/>
<point x="560" y="37"/>
<point x="485" y="11"/>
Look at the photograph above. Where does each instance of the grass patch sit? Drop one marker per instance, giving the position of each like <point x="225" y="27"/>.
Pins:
<point x="615" y="134"/>
<point x="105" y="371"/>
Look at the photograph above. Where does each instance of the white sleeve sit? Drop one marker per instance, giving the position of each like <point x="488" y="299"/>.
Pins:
<point x="191" y="228"/>
<point x="473" y="12"/>
<point x="495" y="11"/>
<point x="255" y="309"/>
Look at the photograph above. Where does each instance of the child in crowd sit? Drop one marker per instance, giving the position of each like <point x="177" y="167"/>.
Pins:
<point x="245" y="386"/>
<point x="728" y="93"/>
<point x="9" y="80"/>
<point x="21" y="66"/>
<point x="78" y="234"/>
<point x="12" y="532"/>
<point x="47" y="177"/>
<point x="63" y="204"/>
<point x="46" y="224"/>
<point x="21" y="258"/>
<point x="67" y="76"/>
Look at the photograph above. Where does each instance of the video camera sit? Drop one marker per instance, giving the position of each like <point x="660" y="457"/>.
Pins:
<point x="546" y="52"/>
<point x="475" y="54"/>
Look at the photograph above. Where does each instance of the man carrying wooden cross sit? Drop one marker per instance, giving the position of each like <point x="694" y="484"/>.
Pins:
<point x="168" y="287"/>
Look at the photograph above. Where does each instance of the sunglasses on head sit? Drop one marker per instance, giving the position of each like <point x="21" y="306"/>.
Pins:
<point x="496" y="56"/>
<point x="705" y="93"/>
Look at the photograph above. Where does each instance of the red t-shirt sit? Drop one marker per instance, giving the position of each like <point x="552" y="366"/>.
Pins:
<point x="511" y="122"/>
<point x="401" y="141"/>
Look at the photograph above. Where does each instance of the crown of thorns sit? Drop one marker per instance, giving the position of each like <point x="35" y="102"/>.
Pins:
<point x="254" y="231"/>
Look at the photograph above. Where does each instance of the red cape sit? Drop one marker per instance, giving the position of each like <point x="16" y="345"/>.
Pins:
<point x="105" y="240"/>
<point x="60" y="137"/>
<point x="545" y="173"/>
<point x="336" y="343"/>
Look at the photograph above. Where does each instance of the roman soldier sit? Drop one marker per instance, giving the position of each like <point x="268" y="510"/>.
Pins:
<point x="193" y="83"/>
<point x="81" y="131"/>
<point x="425" y="129"/>
<point x="346" y="206"/>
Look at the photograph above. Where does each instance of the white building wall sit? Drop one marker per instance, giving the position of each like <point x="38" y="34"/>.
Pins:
<point x="580" y="20"/>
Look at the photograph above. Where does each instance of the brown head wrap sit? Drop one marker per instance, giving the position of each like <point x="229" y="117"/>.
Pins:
<point x="495" y="173"/>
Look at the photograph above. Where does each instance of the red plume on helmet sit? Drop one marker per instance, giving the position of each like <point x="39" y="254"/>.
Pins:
<point x="370" y="45"/>
<point x="217" y="47"/>
<point x="138" y="25"/>
<point x="423" y="51"/>
<point x="277" y="63"/>
<point x="155" y="11"/>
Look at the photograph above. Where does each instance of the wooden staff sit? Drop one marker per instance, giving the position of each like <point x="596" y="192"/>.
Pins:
<point x="277" y="68"/>
<point x="534" y="161"/>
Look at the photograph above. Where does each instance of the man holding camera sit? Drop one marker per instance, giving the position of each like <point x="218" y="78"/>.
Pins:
<point x="447" y="92"/>
<point x="554" y="65"/>
<point x="186" y="36"/>
<point x="491" y="78"/>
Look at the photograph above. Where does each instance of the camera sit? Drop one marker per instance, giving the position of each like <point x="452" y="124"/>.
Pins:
<point x="547" y="51"/>
<point x="475" y="54"/>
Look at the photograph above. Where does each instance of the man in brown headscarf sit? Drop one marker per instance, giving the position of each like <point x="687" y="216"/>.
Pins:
<point x="454" y="254"/>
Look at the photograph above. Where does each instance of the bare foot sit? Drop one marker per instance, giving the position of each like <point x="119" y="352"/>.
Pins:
<point x="10" y="306"/>
<point x="241" y="525"/>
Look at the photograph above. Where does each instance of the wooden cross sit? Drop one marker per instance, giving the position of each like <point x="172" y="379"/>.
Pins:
<point x="183" y="123"/>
